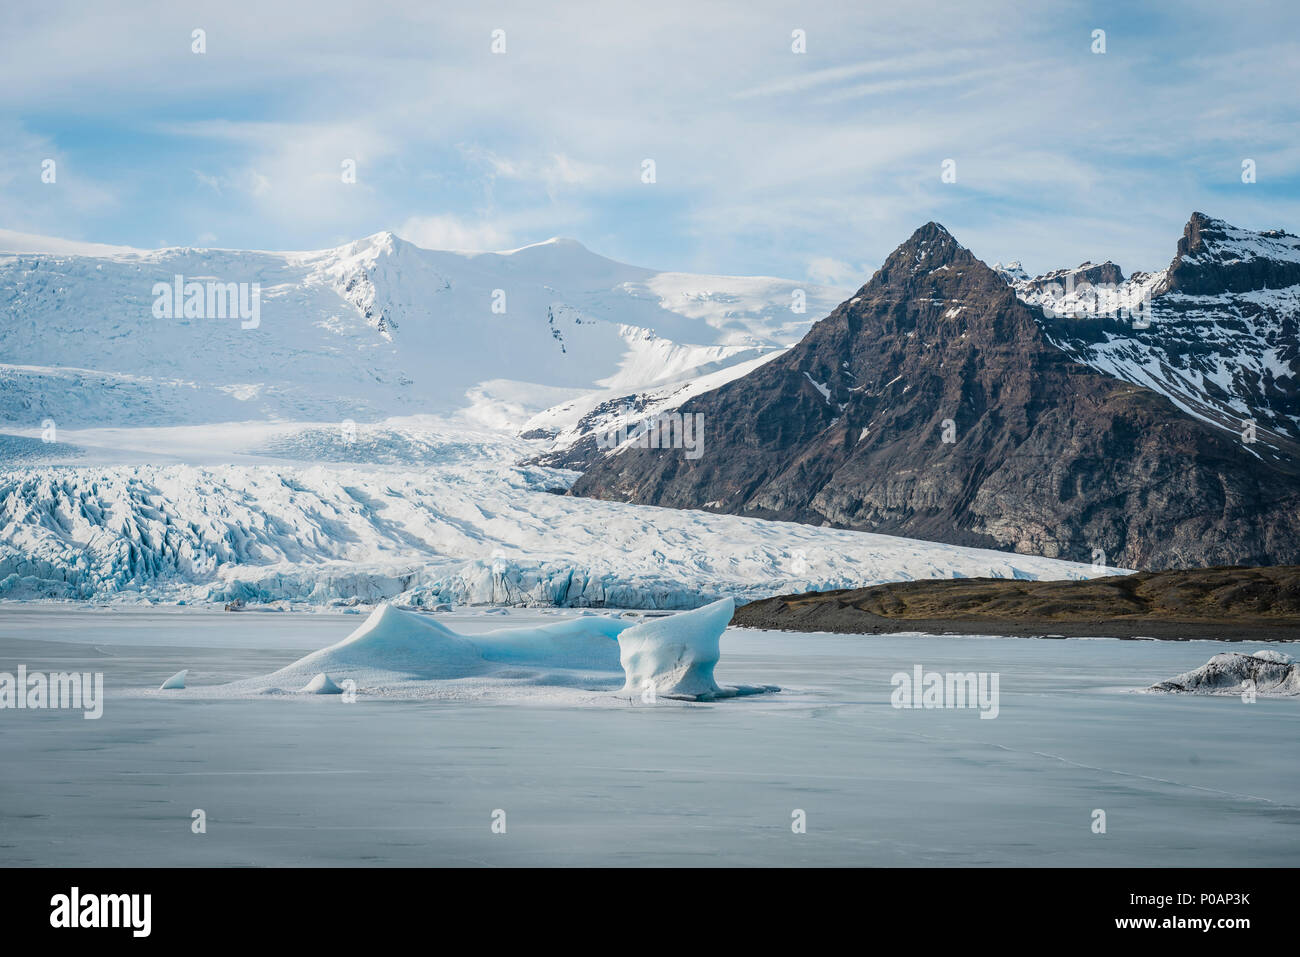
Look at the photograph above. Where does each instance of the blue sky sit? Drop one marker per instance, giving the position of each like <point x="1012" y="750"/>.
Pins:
<point x="811" y="166"/>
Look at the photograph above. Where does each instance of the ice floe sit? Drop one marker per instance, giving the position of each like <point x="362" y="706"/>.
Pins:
<point x="1264" y="672"/>
<point x="674" y="657"/>
<point x="405" y="654"/>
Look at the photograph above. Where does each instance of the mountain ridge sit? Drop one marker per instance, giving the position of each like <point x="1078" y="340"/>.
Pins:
<point x="934" y="404"/>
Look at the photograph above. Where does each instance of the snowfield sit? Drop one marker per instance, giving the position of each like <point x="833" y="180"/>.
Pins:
<point x="376" y="328"/>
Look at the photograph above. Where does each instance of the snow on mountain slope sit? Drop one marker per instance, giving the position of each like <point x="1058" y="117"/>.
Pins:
<point x="1217" y="331"/>
<point x="376" y="328"/>
<point x="460" y="533"/>
<point x="357" y="439"/>
<point x="575" y="428"/>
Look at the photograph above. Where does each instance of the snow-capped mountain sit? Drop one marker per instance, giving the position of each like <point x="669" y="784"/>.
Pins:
<point x="376" y="328"/>
<point x="209" y="457"/>
<point x="1217" y="331"/>
<point x="937" y="404"/>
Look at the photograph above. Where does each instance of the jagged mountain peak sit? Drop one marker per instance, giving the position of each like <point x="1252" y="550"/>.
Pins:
<point x="934" y="403"/>
<point x="1095" y="274"/>
<point x="949" y="292"/>
<point x="929" y="247"/>
<point x="1216" y="257"/>
<point x="1013" y="271"/>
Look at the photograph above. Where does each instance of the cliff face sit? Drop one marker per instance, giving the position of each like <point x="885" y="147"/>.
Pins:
<point x="933" y="405"/>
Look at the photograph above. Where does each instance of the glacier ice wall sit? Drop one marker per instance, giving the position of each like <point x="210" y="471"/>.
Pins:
<point x="464" y="534"/>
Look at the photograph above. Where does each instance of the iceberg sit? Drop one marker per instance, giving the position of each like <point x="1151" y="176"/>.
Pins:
<point x="413" y="644"/>
<point x="674" y="657"/>
<point x="321" y="684"/>
<point x="175" y="682"/>
<point x="397" y="653"/>
<point x="408" y="654"/>
<point x="1265" y="672"/>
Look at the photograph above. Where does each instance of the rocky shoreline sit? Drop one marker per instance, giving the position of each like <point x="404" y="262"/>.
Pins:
<point x="1222" y="604"/>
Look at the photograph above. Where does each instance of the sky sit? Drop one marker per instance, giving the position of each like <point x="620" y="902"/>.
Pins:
<point x="808" y="165"/>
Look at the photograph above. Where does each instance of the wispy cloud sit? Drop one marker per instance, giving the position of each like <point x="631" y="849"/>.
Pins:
<point x="767" y="161"/>
<point x="450" y="232"/>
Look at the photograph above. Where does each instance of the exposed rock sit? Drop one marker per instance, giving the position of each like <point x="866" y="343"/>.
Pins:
<point x="933" y="405"/>
<point x="1230" y="604"/>
<point x="1220" y="335"/>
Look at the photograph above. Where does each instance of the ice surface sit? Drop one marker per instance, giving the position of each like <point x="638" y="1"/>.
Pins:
<point x="1266" y="672"/>
<point x="317" y="782"/>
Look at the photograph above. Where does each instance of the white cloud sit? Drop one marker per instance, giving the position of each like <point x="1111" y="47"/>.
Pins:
<point x="835" y="272"/>
<point x="449" y="232"/>
<point x="768" y="161"/>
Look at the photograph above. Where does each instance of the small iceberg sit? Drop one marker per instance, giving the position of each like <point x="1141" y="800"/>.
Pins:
<point x="176" y="681"/>
<point x="675" y="656"/>
<point x="584" y="659"/>
<point x="407" y="654"/>
<point x="321" y="684"/>
<point x="1266" y="672"/>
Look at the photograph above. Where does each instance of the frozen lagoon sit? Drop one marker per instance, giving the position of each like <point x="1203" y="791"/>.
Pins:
<point x="316" y="781"/>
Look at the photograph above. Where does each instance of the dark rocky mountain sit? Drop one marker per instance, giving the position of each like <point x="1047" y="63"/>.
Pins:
<point x="1106" y="273"/>
<point x="1221" y="336"/>
<point x="1215" y="258"/>
<point x="935" y="405"/>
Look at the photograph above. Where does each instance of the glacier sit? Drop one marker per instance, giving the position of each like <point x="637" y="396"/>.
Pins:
<point x="383" y="435"/>
<point x="458" y="535"/>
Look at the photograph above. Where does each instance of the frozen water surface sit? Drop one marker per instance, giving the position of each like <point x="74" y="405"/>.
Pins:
<point x="313" y="780"/>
